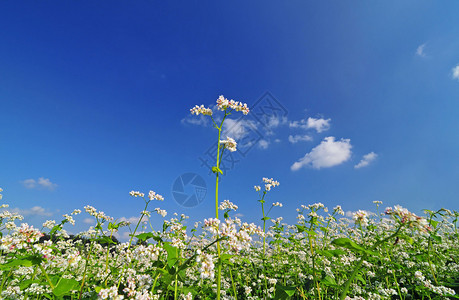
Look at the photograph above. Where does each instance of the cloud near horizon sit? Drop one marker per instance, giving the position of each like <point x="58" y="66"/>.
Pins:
<point x="35" y="211"/>
<point x="366" y="160"/>
<point x="327" y="154"/>
<point x="40" y="183"/>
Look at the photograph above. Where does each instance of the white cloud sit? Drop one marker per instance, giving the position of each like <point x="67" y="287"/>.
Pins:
<point x="237" y="129"/>
<point x="456" y="72"/>
<point x="40" y="183"/>
<point x="34" y="211"/>
<point x="275" y="121"/>
<point x="327" y="154"/>
<point x="132" y="220"/>
<point x="89" y="221"/>
<point x="200" y="120"/>
<point x="420" y="50"/>
<point x="277" y="140"/>
<point x="366" y="160"/>
<point x="299" y="138"/>
<point x="263" y="144"/>
<point x="319" y="125"/>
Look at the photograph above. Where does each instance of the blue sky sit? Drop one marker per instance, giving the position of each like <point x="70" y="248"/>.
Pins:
<point x="95" y="99"/>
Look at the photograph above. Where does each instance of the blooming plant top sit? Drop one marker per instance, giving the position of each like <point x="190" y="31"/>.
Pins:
<point x="153" y="196"/>
<point x="222" y="104"/>
<point x="406" y="217"/>
<point x="229" y="144"/>
<point x="201" y="110"/>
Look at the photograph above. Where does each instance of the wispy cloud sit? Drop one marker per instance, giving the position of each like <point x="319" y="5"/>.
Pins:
<point x="319" y="125"/>
<point x="39" y="183"/>
<point x="420" y="50"/>
<point x="200" y="120"/>
<point x="327" y="154"/>
<point x="263" y="144"/>
<point x="455" y="72"/>
<point x="89" y="221"/>
<point x="34" y="211"/>
<point x="366" y="160"/>
<point x="299" y="138"/>
<point x="237" y="129"/>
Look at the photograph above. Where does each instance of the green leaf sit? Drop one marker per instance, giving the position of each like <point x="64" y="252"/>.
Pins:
<point x="171" y="254"/>
<point x="332" y="253"/>
<point x="300" y="228"/>
<point x="144" y="236"/>
<point x="265" y="218"/>
<point x="65" y="285"/>
<point x="284" y="292"/>
<point x="329" y="281"/>
<point x="351" y="245"/>
<point x="55" y="229"/>
<point x="105" y="239"/>
<point x="436" y="238"/>
<point x="113" y="226"/>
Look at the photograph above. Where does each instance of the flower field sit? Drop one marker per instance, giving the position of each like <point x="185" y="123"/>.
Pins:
<point x="390" y="253"/>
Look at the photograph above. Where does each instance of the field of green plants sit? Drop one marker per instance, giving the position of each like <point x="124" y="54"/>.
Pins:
<point x="388" y="254"/>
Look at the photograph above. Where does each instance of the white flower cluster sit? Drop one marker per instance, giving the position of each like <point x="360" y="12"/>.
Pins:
<point x="69" y="219"/>
<point x="110" y="293"/>
<point x="201" y="110"/>
<point x="1" y="196"/>
<point x="229" y="144"/>
<point x="161" y="212"/>
<point x="21" y="238"/>
<point x="277" y="204"/>
<point x="360" y="217"/>
<point x="404" y="216"/>
<point x="269" y="183"/>
<point x="223" y="104"/>
<point x="226" y="204"/>
<point x="207" y="265"/>
<point x="136" y="194"/>
<point x="99" y="215"/>
<point x="442" y="290"/>
<point x="153" y="196"/>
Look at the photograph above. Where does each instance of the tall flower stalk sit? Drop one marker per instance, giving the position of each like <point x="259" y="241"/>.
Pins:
<point x="227" y="106"/>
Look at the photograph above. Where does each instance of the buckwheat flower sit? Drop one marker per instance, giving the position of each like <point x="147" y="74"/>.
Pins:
<point x="90" y="210"/>
<point x="257" y="188"/>
<point x="49" y="224"/>
<point x="69" y="219"/>
<point x="229" y="144"/>
<point x="76" y="212"/>
<point x="161" y="212"/>
<point x="1" y="196"/>
<point x="360" y="217"/>
<point x="4" y="205"/>
<point x="153" y="196"/>
<point x="201" y="110"/>
<point x="226" y="204"/>
<point x="223" y="104"/>
<point x="277" y="204"/>
<point x="338" y="210"/>
<point x="207" y="265"/>
<point x="418" y="275"/>
<point x="136" y="194"/>
<point x="146" y="213"/>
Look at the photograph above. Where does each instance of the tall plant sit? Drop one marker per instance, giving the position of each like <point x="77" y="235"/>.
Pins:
<point x="227" y="106"/>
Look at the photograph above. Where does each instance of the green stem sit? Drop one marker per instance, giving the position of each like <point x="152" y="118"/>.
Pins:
<point x="359" y="263"/>
<point x="46" y="275"/>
